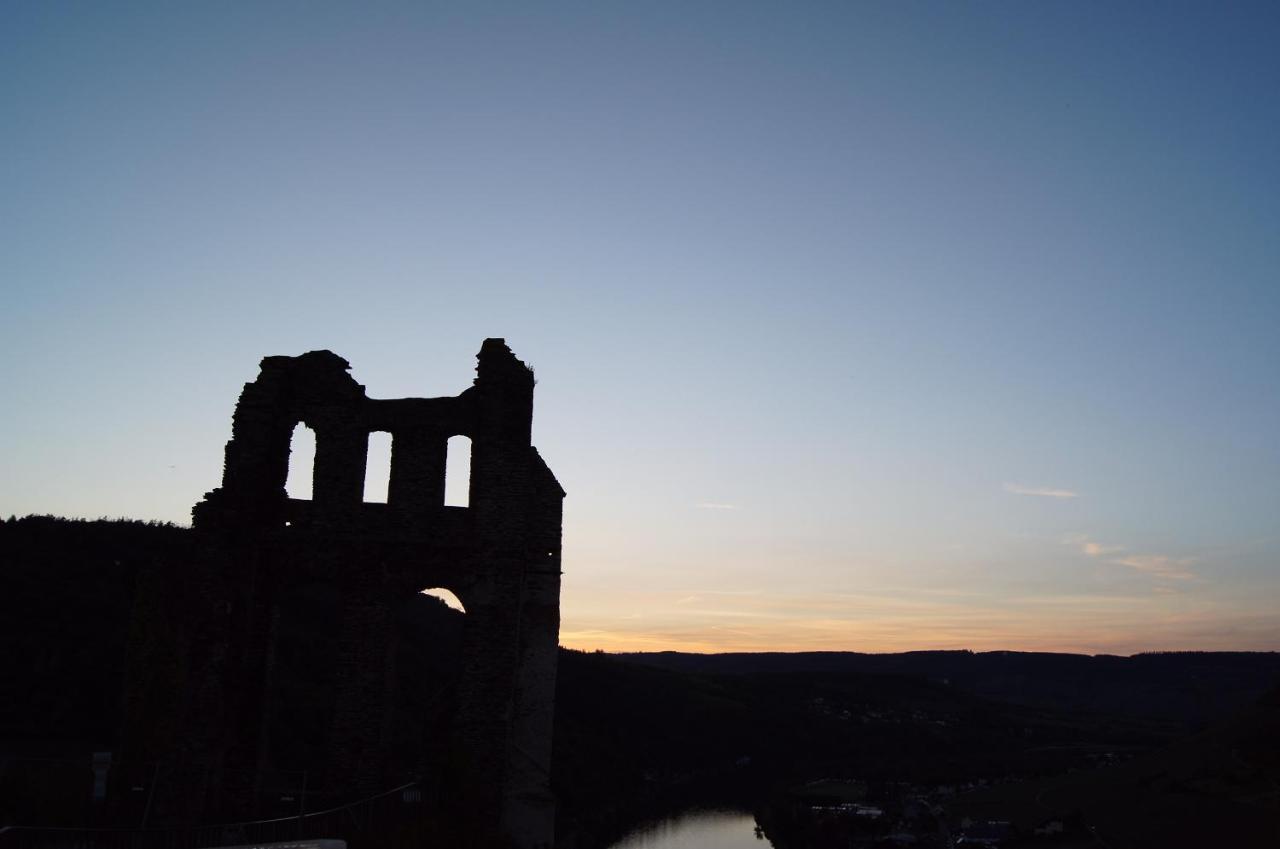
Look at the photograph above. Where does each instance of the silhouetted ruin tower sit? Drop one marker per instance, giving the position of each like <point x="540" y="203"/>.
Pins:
<point x="500" y="555"/>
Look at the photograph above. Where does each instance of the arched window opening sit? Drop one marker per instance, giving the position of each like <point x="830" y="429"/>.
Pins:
<point x="457" y="472"/>
<point x="377" y="468"/>
<point x="447" y="597"/>
<point x="302" y="461"/>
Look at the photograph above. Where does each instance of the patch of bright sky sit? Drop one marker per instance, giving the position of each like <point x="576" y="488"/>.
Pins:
<point x="857" y="280"/>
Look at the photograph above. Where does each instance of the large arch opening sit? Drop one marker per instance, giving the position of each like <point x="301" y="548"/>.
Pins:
<point x="302" y="462"/>
<point x="429" y="664"/>
<point x="377" y="468"/>
<point x="447" y="596"/>
<point x="457" y="472"/>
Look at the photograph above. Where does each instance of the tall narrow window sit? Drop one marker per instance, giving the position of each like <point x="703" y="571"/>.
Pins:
<point x="302" y="460"/>
<point x="457" y="472"/>
<point x="377" y="469"/>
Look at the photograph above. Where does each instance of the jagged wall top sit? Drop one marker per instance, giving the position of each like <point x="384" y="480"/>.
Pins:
<point x="317" y="389"/>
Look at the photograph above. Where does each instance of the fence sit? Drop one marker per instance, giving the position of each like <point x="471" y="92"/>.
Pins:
<point x="393" y="819"/>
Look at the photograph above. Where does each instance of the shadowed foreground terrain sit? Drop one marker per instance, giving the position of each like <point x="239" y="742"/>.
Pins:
<point x="1160" y="749"/>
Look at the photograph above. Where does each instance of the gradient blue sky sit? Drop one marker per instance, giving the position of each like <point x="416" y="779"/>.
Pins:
<point x="857" y="326"/>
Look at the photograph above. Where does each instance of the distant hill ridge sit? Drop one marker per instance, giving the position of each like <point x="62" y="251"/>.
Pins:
<point x="1188" y="687"/>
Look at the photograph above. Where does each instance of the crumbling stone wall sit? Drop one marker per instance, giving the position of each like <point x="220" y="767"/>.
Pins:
<point x="500" y="556"/>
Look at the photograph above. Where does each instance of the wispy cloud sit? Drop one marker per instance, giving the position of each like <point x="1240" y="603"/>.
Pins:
<point x="1042" y="491"/>
<point x="1097" y="549"/>
<point x="1155" y="565"/>
<point x="713" y="505"/>
<point x="1090" y="547"/>
<point x="1159" y="565"/>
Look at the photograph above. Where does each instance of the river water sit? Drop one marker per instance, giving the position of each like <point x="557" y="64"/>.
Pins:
<point x="697" y="830"/>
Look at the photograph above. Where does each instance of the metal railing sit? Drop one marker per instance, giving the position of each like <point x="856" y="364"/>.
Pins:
<point x="392" y="819"/>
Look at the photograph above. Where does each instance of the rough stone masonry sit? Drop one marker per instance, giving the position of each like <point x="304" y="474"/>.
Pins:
<point x="198" y="700"/>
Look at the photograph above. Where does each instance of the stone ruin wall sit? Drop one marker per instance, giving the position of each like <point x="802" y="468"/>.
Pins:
<point x="213" y="632"/>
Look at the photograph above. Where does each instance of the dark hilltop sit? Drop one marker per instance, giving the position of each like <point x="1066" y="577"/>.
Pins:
<point x="1185" y="745"/>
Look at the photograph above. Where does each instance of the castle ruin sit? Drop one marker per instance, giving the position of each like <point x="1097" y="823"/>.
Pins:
<point x="500" y="556"/>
